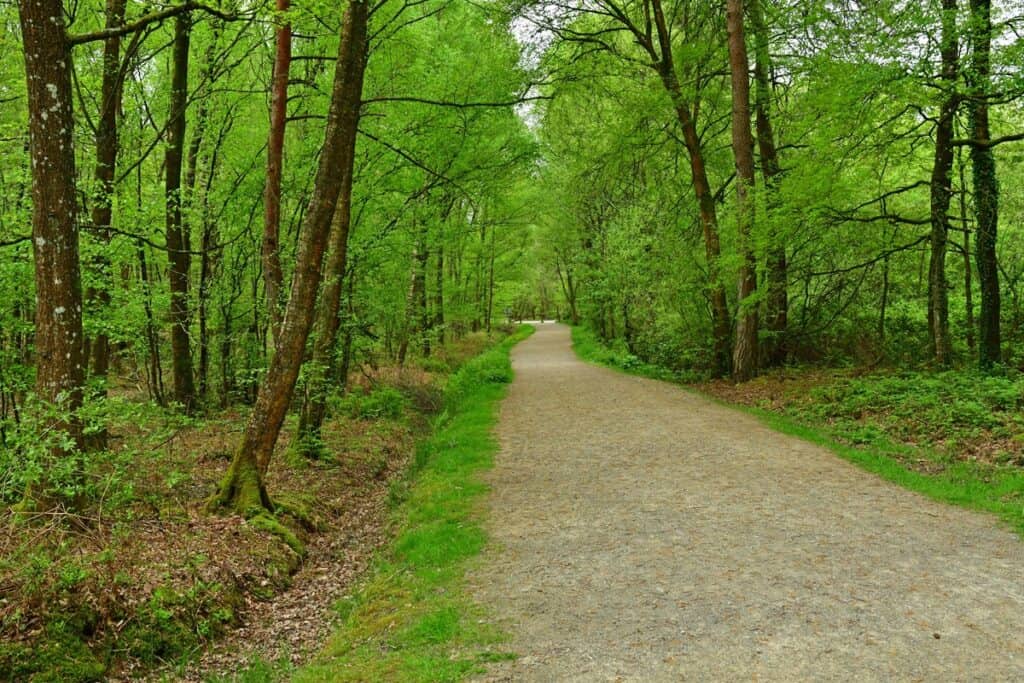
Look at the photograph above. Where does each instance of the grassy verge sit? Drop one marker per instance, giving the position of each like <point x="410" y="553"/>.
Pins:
<point x="955" y="437"/>
<point x="410" y="620"/>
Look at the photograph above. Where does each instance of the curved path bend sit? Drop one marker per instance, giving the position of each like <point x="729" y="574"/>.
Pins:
<point x="642" y="533"/>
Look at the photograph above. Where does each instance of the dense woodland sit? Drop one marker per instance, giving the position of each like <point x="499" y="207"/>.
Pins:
<point x="237" y="206"/>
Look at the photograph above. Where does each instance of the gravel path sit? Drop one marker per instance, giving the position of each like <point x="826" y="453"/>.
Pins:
<point x="642" y="533"/>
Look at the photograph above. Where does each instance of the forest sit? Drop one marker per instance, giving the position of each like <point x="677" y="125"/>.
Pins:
<point x="247" y="248"/>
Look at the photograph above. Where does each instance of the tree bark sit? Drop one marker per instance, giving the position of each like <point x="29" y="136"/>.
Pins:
<point x="422" y="312"/>
<point x="941" y="191"/>
<point x="243" y="488"/>
<point x="272" y="273"/>
<point x="702" y="190"/>
<point x="777" y="297"/>
<point x="986" y="188"/>
<point x="58" y="325"/>
<point x="744" y="355"/>
<point x="325" y="344"/>
<point x="968" y="286"/>
<point x="177" y="241"/>
<point x="106" y="163"/>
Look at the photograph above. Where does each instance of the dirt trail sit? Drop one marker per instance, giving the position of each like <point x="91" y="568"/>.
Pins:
<point x="642" y="533"/>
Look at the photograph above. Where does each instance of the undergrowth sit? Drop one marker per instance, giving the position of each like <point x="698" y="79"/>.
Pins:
<point x="955" y="436"/>
<point x="140" y="578"/>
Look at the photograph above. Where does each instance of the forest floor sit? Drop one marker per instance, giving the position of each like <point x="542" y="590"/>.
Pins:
<point x="147" y="583"/>
<point x="643" y="532"/>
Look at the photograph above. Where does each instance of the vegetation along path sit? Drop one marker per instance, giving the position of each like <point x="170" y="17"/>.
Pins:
<point x="641" y="532"/>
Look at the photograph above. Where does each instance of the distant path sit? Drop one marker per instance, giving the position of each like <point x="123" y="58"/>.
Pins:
<point x="642" y="533"/>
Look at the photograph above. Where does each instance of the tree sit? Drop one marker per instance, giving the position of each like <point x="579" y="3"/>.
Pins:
<point x="58" y="320"/>
<point x="777" y="277"/>
<point x="243" y="488"/>
<point x="941" y="191"/>
<point x="986" y="185"/>
<point x="178" y="243"/>
<point x="273" y="276"/>
<point x="744" y="356"/>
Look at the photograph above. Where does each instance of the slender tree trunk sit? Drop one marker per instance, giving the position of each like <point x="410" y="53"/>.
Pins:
<point x="153" y="365"/>
<point x="744" y="355"/>
<point x="227" y="379"/>
<point x="883" y="304"/>
<point x="968" y="286"/>
<point x="58" y="324"/>
<point x="665" y="66"/>
<point x="777" y="298"/>
<point x="102" y="213"/>
<point x="325" y="344"/>
<point x="243" y="488"/>
<point x="416" y="295"/>
<point x="341" y="373"/>
<point x="941" y="192"/>
<point x="207" y="234"/>
<point x="438" y="322"/>
<point x="106" y="162"/>
<point x="422" y="312"/>
<point x="154" y="371"/>
<point x="272" y="274"/>
<point x="177" y="241"/>
<point x="489" y="313"/>
<point x="986" y="187"/>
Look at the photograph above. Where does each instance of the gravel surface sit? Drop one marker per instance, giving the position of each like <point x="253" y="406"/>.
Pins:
<point x="641" y="532"/>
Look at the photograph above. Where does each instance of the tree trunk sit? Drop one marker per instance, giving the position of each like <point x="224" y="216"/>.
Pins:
<point x="106" y="162"/>
<point x="102" y="214"/>
<point x="177" y="241"/>
<point x="58" y="324"/>
<point x="438" y="322"/>
<point x="243" y="488"/>
<point x="489" y="312"/>
<point x="325" y="344"/>
<point x="702" y="190"/>
<point x="777" y="298"/>
<point x="744" y="355"/>
<point x="941" y="192"/>
<point x="422" y="312"/>
<point x="986" y="188"/>
<point x="968" y="286"/>
<point x="272" y="274"/>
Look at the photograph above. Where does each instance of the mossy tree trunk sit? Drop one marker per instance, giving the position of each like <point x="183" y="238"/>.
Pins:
<point x="986" y="187"/>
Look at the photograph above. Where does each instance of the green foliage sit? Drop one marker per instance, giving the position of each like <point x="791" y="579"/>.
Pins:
<point x="944" y="411"/>
<point x="588" y="346"/>
<point x="410" y="620"/>
<point x="384" y="402"/>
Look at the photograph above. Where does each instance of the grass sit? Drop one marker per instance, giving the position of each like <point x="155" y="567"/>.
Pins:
<point x="912" y="429"/>
<point x="410" y="620"/>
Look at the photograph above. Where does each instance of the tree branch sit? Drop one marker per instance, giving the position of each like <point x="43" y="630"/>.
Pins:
<point x="147" y="19"/>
